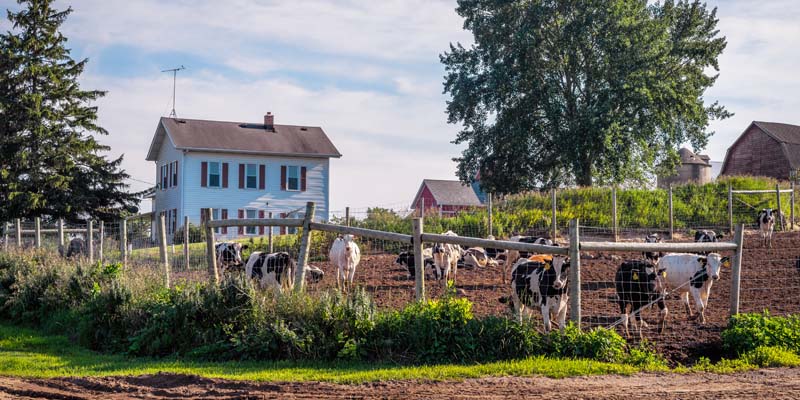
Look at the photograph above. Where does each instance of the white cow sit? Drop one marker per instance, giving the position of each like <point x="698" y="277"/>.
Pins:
<point x="692" y="273"/>
<point x="345" y="256"/>
<point x="766" y="225"/>
<point x="445" y="259"/>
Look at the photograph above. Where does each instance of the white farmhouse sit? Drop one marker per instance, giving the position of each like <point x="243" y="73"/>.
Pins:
<point x="240" y="170"/>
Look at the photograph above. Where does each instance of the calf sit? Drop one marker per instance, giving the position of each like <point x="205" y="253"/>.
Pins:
<point x="695" y="274"/>
<point x="652" y="255"/>
<point x="477" y="257"/>
<point x="706" y="236"/>
<point x="445" y="259"/>
<point x="491" y="252"/>
<point x="76" y="247"/>
<point x="276" y="270"/>
<point x="513" y="255"/>
<point x="229" y="255"/>
<point x="638" y="284"/>
<point x="766" y="225"/>
<point x="406" y="260"/>
<point x="345" y="256"/>
<point x="541" y="281"/>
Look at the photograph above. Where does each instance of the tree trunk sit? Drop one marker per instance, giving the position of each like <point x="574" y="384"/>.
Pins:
<point x="584" y="176"/>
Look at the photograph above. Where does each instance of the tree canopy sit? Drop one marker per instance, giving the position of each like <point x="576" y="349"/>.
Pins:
<point x="50" y="162"/>
<point x="556" y="92"/>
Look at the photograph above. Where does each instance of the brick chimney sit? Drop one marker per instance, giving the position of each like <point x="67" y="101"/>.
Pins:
<point x="269" y="121"/>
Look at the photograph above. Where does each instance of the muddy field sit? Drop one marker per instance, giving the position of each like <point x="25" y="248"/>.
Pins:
<point x="772" y="384"/>
<point x="770" y="279"/>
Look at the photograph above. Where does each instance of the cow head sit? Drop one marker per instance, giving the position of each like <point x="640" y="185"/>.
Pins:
<point x="714" y="263"/>
<point x="314" y="274"/>
<point x="766" y="215"/>
<point x="561" y="269"/>
<point x="349" y="246"/>
<point x="230" y="253"/>
<point x="653" y="255"/>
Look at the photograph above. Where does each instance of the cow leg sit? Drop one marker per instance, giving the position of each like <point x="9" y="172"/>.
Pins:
<point x="662" y="323"/>
<point x="685" y="298"/>
<point x="698" y="299"/>
<point x="338" y="279"/>
<point x="624" y="312"/>
<point x="562" y="311"/>
<point x="546" y="316"/>
<point x="517" y="305"/>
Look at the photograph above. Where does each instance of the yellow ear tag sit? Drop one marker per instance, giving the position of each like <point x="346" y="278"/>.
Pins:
<point x="726" y="264"/>
<point x="635" y="276"/>
<point x="546" y="267"/>
<point x="664" y="274"/>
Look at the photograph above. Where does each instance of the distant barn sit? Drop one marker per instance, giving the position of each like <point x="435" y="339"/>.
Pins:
<point x="765" y="149"/>
<point x="447" y="197"/>
<point x="694" y="168"/>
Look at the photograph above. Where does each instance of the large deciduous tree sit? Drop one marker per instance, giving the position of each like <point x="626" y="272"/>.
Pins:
<point x="50" y="162"/>
<point x="580" y="92"/>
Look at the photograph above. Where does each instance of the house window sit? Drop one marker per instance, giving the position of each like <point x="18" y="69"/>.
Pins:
<point x="164" y="177"/>
<point x="174" y="173"/>
<point x="250" y="214"/>
<point x="213" y="174"/>
<point x="216" y="216"/>
<point x="251" y="179"/>
<point x="292" y="177"/>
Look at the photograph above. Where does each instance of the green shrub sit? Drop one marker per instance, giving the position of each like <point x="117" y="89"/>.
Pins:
<point x="746" y="332"/>
<point x="772" y="357"/>
<point x="597" y="344"/>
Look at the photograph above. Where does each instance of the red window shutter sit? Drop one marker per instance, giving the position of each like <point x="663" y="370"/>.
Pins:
<point x="302" y="179"/>
<point x="224" y="175"/>
<point x="283" y="228"/>
<point x="241" y="176"/>
<point x="241" y="216"/>
<point x="160" y="172"/>
<point x="174" y="220"/>
<point x="260" y="228"/>
<point x="175" y="175"/>
<point x="224" y="215"/>
<point x="169" y="177"/>
<point x="262" y="177"/>
<point x="204" y="174"/>
<point x="283" y="177"/>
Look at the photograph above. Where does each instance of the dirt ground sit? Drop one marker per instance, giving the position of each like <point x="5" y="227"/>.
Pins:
<point x="770" y="279"/>
<point x="767" y="383"/>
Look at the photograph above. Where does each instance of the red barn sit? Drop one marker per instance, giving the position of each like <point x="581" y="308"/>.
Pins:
<point x="765" y="149"/>
<point x="447" y="197"/>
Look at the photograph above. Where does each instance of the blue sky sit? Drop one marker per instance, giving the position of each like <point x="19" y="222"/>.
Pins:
<point x="368" y="72"/>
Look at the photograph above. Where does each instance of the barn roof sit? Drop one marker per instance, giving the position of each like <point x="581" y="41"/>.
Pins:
<point x="789" y="137"/>
<point x="242" y="137"/>
<point x="450" y="193"/>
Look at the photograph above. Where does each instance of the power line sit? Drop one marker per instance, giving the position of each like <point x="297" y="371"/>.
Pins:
<point x="140" y="181"/>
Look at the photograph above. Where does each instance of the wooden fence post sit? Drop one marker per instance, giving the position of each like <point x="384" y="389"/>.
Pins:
<point x="554" y="221"/>
<point x="614" y="221"/>
<point x="489" y="214"/>
<point x="60" y="233"/>
<point x="162" y="246"/>
<point x="671" y="214"/>
<point x="422" y="208"/>
<point x="419" y="259"/>
<point x="791" y="210"/>
<point x="18" y="232"/>
<point x="269" y="235"/>
<point x="347" y="216"/>
<point x="736" y="270"/>
<point x="123" y="241"/>
<point x="100" y="242"/>
<point x="575" y="272"/>
<point x="186" y="241"/>
<point x="440" y="211"/>
<point x="730" y="207"/>
<point x="211" y="256"/>
<point x="90" y="240"/>
<point x="305" y="247"/>
<point x="38" y="232"/>
<point x="780" y="210"/>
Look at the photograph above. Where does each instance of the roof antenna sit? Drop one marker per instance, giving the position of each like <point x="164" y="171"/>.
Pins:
<point x="174" y="75"/>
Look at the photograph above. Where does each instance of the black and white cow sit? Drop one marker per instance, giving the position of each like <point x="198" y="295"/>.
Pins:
<point x="541" y="281"/>
<point x="229" y="255"/>
<point x="474" y="257"/>
<point x="406" y="260"/>
<point x="706" y="236"/>
<point x="276" y="270"/>
<point x="512" y="256"/>
<point x="492" y="252"/>
<point x="652" y="255"/>
<point x="766" y="225"/>
<point x="76" y="247"/>
<point x="638" y="284"/>
<point x="695" y="274"/>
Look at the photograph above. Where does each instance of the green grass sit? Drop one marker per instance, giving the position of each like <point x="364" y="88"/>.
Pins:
<point x="28" y="353"/>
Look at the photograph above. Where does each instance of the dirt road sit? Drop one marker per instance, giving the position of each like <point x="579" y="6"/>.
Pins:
<point x="769" y="383"/>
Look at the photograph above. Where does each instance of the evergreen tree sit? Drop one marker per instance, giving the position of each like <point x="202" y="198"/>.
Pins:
<point x="50" y="162"/>
<point x="580" y="91"/>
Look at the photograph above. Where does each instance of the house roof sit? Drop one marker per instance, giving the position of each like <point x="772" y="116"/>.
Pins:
<point x="449" y="193"/>
<point x="242" y="137"/>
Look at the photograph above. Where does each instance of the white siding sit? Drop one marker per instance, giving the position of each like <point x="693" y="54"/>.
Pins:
<point x="170" y="198"/>
<point x="233" y="198"/>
